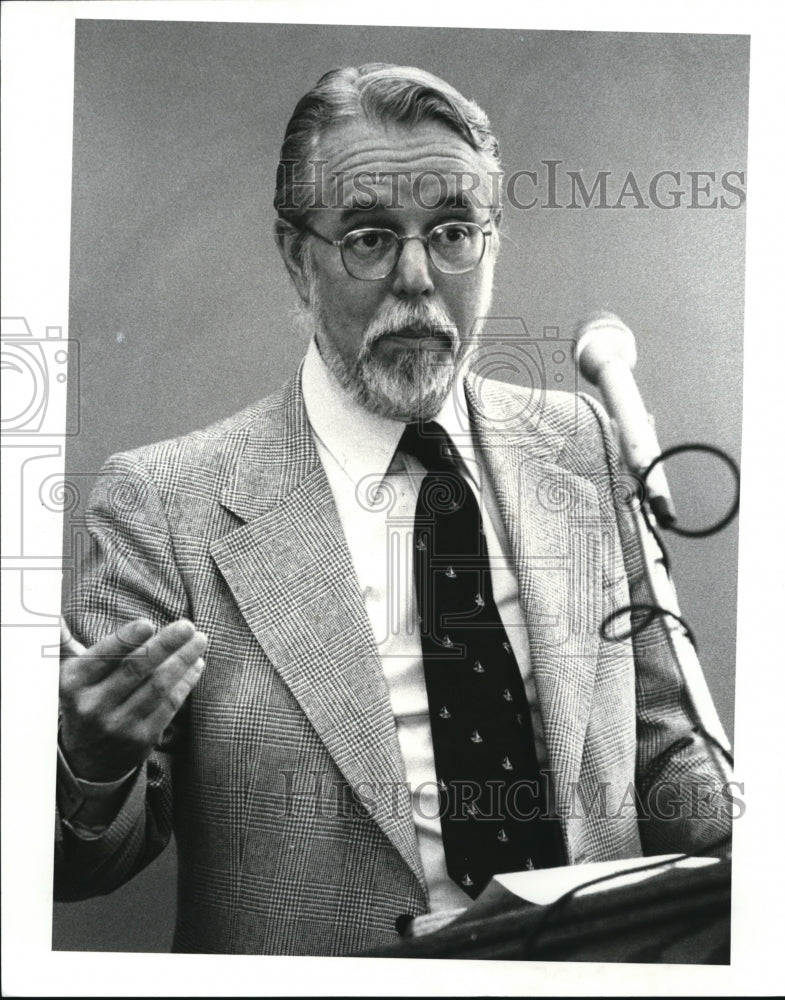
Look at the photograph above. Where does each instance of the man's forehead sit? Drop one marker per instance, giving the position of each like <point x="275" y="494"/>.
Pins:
<point x="358" y="163"/>
<point x="351" y="147"/>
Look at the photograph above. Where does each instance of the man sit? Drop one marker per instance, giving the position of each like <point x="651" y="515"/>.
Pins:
<point x="263" y="661"/>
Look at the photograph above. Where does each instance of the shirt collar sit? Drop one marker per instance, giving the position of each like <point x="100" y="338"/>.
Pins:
<point x="364" y="443"/>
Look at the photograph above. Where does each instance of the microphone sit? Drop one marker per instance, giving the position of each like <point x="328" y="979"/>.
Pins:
<point x="606" y="355"/>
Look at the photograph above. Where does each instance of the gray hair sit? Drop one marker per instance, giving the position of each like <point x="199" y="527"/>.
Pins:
<point x="379" y="92"/>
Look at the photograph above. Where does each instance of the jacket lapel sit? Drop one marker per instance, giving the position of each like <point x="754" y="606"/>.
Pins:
<point x="553" y="523"/>
<point x="291" y="574"/>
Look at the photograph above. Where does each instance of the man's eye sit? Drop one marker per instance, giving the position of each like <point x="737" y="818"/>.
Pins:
<point x="454" y="233"/>
<point x="372" y="239"/>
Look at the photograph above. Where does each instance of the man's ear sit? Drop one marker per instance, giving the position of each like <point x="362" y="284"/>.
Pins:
<point x="289" y="241"/>
<point x="496" y="223"/>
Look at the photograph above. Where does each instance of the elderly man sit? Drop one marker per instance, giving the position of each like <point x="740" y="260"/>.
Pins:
<point x="347" y="643"/>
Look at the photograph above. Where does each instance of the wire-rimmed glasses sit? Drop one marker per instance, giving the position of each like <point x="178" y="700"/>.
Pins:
<point x="371" y="254"/>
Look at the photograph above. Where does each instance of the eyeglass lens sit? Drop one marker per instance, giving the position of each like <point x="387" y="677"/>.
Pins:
<point x="454" y="248"/>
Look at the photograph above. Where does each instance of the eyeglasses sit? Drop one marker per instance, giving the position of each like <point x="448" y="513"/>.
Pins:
<point x="373" y="254"/>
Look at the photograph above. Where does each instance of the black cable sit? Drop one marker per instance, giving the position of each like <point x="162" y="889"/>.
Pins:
<point x="711" y="450"/>
<point x="652" y="611"/>
<point x="652" y="525"/>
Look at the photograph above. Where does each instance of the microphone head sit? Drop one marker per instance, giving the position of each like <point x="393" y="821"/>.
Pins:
<point x="602" y="339"/>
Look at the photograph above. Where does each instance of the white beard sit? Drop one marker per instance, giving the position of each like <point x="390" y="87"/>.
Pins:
<point x="415" y="384"/>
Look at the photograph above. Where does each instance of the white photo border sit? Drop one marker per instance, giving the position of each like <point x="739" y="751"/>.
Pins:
<point x="37" y="67"/>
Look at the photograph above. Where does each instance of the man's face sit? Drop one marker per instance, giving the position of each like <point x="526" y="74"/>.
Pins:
<point x="395" y="342"/>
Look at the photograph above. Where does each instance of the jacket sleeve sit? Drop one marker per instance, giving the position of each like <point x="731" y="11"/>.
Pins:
<point x="128" y="573"/>
<point x="682" y="788"/>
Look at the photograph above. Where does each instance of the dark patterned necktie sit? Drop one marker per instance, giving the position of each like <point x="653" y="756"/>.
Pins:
<point x="491" y="793"/>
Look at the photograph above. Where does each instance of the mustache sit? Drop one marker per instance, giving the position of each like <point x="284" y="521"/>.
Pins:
<point x="423" y="320"/>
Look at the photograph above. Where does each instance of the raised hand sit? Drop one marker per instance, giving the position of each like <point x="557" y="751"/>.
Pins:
<point x="118" y="696"/>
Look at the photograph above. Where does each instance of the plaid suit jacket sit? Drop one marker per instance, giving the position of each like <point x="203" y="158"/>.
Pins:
<point x="282" y="777"/>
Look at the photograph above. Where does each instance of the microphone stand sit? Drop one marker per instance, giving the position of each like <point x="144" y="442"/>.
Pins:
<point x="699" y="703"/>
<point x="606" y="354"/>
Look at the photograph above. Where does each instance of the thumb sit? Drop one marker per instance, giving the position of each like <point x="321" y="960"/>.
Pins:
<point x="68" y="645"/>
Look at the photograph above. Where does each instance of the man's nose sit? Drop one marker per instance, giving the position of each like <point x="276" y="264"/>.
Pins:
<point x="412" y="275"/>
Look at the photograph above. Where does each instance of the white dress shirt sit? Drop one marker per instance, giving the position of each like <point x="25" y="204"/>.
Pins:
<point x="375" y="489"/>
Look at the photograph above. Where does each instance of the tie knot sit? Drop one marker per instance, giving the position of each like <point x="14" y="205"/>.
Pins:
<point x="431" y="444"/>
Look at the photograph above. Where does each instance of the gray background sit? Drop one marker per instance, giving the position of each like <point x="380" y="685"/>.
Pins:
<point x="183" y="311"/>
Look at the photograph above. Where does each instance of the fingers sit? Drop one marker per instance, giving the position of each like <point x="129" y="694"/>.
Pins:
<point x="176" y="646"/>
<point x="138" y="721"/>
<point x="93" y="664"/>
<point x="162" y="695"/>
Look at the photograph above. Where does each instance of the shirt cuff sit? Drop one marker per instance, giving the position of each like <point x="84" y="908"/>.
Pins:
<point x="88" y="807"/>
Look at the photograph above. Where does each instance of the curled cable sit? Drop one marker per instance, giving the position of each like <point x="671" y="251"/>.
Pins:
<point x="724" y="457"/>
<point x="652" y="611"/>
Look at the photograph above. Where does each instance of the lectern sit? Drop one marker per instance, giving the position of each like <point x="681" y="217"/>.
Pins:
<point x="679" y="916"/>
